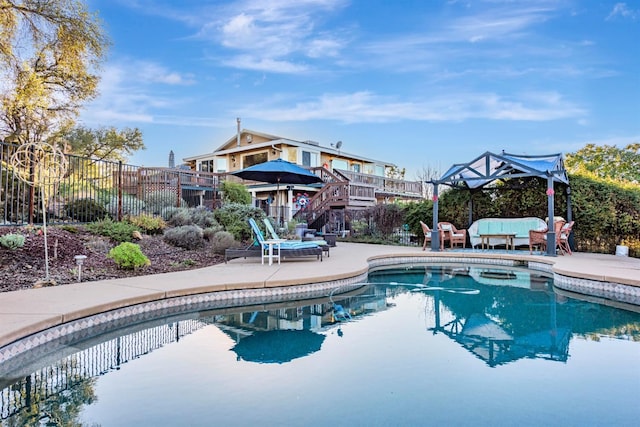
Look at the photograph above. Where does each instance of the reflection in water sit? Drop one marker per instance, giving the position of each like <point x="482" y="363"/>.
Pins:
<point x="498" y="316"/>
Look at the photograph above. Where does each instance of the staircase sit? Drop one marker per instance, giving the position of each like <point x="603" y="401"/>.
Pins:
<point x="338" y="192"/>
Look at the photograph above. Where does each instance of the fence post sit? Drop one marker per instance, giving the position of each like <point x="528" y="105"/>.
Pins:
<point x="178" y="190"/>
<point x="120" y="183"/>
<point x="32" y="187"/>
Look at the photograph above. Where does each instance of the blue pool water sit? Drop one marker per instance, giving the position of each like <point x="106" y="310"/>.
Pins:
<point x="419" y="345"/>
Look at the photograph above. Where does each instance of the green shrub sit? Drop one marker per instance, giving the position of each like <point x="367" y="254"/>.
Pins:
<point x="167" y="213"/>
<point x="234" y="218"/>
<point x="85" y="210"/>
<point x="129" y="256"/>
<point x="203" y="217"/>
<point x="222" y="240"/>
<point x="634" y="246"/>
<point x="130" y="206"/>
<point x="158" y="200"/>
<point x="12" y="241"/>
<point x="179" y="217"/>
<point x="70" y="228"/>
<point x="117" y="231"/>
<point x="416" y="212"/>
<point x="209" y="232"/>
<point x="233" y="192"/>
<point x="186" y="236"/>
<point x="148" y="223"/>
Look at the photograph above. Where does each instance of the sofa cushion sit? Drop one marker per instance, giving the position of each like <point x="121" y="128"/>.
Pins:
<point x="518" y="226"/>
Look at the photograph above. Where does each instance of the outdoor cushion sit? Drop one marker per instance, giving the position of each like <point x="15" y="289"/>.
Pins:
<point x="518" y="226"/>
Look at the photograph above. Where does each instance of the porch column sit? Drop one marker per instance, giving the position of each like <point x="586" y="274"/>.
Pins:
<point x="289" y="202"/>
<point x="435" y="235"/>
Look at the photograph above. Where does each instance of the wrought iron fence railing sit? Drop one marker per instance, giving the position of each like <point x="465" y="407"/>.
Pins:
<point x="91" y="188"/>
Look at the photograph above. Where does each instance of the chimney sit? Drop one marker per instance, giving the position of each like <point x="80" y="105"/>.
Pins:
<point x="238" y="135"/>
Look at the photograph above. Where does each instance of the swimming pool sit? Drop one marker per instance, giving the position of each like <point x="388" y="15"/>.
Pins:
<point x="418" y="345"/>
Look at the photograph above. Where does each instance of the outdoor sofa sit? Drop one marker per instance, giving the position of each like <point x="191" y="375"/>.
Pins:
<point x="518" y="226"/>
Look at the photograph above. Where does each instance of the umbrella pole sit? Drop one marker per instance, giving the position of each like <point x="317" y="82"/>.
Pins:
<point x="278" y="205"/>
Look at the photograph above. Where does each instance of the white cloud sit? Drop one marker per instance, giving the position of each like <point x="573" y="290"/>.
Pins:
<point x="363" y="107"/>
<point x="258" y="34"/>
<point x="623" y="11"/>
<point x="155" y="73"/>
<point x="249" y="62"/>
<point x="129" y="92"/>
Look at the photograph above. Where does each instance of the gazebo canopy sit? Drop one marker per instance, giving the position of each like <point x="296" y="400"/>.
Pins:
<point x="490" y="167"/>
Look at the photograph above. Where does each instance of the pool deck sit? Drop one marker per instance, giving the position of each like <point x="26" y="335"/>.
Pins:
<point x="27" y="312"/>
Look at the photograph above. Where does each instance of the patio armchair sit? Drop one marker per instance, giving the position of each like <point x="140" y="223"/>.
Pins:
<point x="455" y="236"/>
<point x="563" y="240"/>
<point x="539" y="237"/>
<point x="427" y="234"/>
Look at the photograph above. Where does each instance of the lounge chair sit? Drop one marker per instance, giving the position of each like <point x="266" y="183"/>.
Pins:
<point x="427" y="234"/>
<point x="449" y="232"/>
<point x="270" y="230"/>
<point x="287" y="249"/>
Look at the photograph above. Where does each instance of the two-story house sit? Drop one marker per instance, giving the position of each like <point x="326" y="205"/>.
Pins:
<point x="364" y="177"/>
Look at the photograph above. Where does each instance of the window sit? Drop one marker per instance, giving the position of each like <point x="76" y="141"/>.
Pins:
<point x="379" y="170"/>
<point x="206" y="166"/>
<point x="355" y="167"/>
<point x="339" y="164"/>
<point x="222" y="165"/>
<point x="309" y="159"/>
<point x="254" y="159"/>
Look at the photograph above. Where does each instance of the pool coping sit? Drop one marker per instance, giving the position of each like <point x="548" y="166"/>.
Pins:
<point x="32" y="317"/>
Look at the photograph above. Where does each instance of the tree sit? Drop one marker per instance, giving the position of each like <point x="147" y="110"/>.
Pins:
<point x="607" y="161"/>
<point x="106" y="143"/>
<point x="49" y="53"/>
<point x="396" y="173"/>
<point x="233" y="192"/>
<point x="423" y="176"/>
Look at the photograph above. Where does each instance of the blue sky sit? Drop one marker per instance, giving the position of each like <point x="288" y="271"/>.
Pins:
<point x="420" y="83"/>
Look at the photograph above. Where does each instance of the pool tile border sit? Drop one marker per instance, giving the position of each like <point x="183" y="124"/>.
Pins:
<point x="98" y="323"/>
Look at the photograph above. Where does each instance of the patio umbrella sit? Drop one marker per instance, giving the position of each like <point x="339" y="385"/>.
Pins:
<point x="278" y="346"/>
<point x="278" y="171"/>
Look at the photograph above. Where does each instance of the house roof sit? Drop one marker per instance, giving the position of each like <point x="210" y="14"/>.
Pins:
<point x="490" y="167"/>
<point x="230" y="146"/>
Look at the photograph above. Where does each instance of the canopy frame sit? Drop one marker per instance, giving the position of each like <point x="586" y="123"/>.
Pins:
<point x="490" y="167"/>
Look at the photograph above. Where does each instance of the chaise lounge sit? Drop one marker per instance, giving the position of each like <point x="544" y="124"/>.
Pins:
<point x="272" y="232"/>
<point x="287" y="249"/>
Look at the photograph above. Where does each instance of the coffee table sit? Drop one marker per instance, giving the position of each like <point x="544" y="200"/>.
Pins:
<point x="508" y="239"/>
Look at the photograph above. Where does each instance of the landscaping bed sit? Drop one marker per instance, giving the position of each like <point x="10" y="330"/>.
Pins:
<point x="22" y="268"/>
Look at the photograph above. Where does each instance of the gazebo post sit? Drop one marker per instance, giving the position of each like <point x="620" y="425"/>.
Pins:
<point x="551" y="231"/>
<point x="572" y="243"/>
<point x="435" y="235"/>
<point x="470" y="209"/>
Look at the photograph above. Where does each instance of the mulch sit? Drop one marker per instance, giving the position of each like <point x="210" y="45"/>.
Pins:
<point x="25" y="267"/>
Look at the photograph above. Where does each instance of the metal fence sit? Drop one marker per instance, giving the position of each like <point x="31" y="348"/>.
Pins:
<point x="91" y="189"/>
